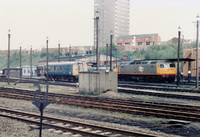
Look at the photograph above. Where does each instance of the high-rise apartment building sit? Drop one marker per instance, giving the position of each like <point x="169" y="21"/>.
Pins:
<point x="113" y="18"/>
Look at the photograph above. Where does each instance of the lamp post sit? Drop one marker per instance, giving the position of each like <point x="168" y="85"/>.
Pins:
<point x="20" y="62"/>
<point x="116" y="56"/>
<point x="47" y="60"/>
<point x="70" y="52"/>
<point x="178" y="58"/>
<point x="111" y="36"/>
<point x="31" y="63"/>
<point x="8" y="67"/>
<point x="197" y="54"/>
<point x="59" y="51"/>
<point x="97" y="48"/>
<point x="106" y="57"/>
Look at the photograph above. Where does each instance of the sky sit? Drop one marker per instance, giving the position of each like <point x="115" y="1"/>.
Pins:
<point x="70" y="22"/>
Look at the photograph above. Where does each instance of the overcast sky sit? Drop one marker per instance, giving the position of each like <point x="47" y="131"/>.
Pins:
<point x="71" y="21"/>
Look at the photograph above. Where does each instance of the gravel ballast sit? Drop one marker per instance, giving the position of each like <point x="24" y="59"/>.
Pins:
<point x="149" y="125"/>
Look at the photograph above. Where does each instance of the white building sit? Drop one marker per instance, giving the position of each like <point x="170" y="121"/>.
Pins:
<point x="26" y="71"/>
<point x="113" y="16"/>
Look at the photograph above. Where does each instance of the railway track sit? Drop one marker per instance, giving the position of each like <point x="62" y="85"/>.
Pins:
<point x="160" y="88"/>
<point x="38" y="81"/>
<point x="175" y="111"/>
<point x="68" y="127"/>
<point x="195" y="96"/>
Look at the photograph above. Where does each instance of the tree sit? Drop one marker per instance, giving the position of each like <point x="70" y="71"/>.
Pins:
<point x="43" y="54"/>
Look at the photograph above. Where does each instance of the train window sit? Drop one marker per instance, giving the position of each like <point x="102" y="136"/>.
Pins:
<point x="132" y="62"/>
<point x="144" y="62"/>
<point x="76" y="67"/>
<point x="172" y="65"/>
<point x="80" y="67"/>
<point x="65" y="67"/>
<point x="161" y="65"/>
<point x="153" y="63"/>
<point x="85" y="68"/>
<point x="166" y="65"/>
<point x="138" y="62"/>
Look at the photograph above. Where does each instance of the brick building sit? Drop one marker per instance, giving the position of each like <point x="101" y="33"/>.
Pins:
<point x="190" y="54"/>
<point x="137" y="42"/>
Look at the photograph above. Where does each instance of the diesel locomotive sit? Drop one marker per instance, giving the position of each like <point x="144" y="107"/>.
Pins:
<point x="64" y="70"/>
<point x="147" y="70"/>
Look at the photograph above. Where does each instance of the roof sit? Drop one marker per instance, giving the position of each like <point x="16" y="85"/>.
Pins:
<point x="173" y="60"/>
<point x="66" y="58"/>
<point x="138" y="35"/>
<point x="63" y="63"/>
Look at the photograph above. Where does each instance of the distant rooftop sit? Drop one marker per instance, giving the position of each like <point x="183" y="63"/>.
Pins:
<point x="138" y="35"/>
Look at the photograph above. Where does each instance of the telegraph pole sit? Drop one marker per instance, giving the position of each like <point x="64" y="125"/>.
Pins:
<point x="20" y="62"/>
<point x="106" y="57"/>
<point x="8" y="67"/>
<point x="111" y="52"/>
<point x="116" y="57"/>
<point x="97" y="48"/>
<point x="59" y="51"/>
<point x="197" y="54"/>
<point x="178" y="54"/>
<point x="47" y="62"/>
<point x="70" y="52"/>
<point x="31" y="63"/>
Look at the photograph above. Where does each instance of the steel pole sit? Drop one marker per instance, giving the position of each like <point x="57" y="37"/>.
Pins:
<point x="20" y="62"/>
<point x="69" y="53"/>
<point x="59" y="52"/>
<point x="8" y="67"/>
<point x="47" y="62"/>
<point x="97" y="58"/>
<point x="116" y="57"/>
<point x="111" y="52"/>
<point x="197" y="57"/>
<point x="106" y="56"/>
<point x="41" y="118"/>
<point x="178" y="60"/>
<point x="31" y="63"/>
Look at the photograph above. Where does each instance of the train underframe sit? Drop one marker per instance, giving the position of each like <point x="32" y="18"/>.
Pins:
<point x="149" y="78"/>
<point x="63" y="78"/>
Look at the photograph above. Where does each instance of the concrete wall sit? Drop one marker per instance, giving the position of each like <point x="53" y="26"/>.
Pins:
<point x="98" y="82"/>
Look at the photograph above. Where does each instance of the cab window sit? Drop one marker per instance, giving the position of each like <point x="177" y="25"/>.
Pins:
<point x="172" y="65"/>
<point x="161" y="65"/>
<point x="80" y="67"/>
<point x="76" y="67"/>
<point x="85" y="68"/>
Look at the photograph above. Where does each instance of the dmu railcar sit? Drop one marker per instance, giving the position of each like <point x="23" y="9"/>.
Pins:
<point x="65" y="70"/>
<point x="147" y="70"/>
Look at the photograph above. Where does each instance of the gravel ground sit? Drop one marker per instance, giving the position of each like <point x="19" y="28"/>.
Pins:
<point x="151" y="125"/>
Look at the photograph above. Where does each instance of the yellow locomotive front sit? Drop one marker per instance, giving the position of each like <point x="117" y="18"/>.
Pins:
<point x="167" y="70"/>
<point x="79" y="67"/>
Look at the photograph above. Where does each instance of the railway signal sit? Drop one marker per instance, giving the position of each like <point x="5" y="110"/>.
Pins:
<point x="41" y="105"/>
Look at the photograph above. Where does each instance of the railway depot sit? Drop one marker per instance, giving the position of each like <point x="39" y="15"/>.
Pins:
<point x="80" y="71"/>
